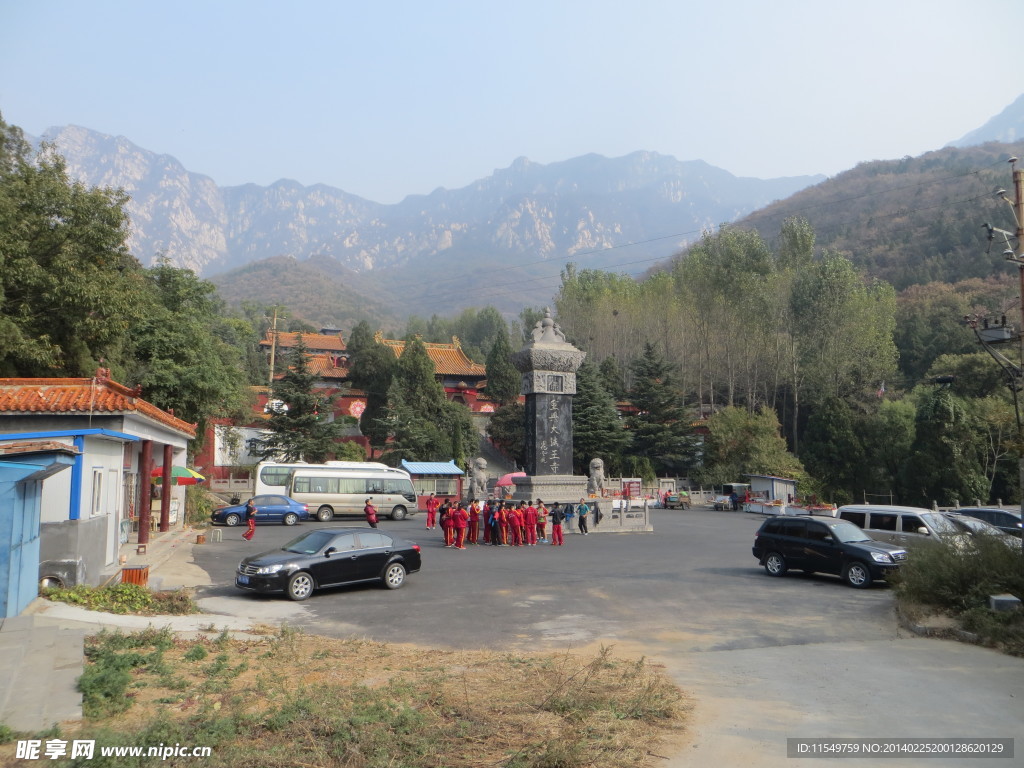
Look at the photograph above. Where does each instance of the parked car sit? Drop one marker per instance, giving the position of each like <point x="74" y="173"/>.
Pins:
<point x="975" y="527"/>
<point x="677" y="500"/>
<point x="903" y="526"/>
<point x="824" y="545"/>
<point x="329" y="557"/>
<point x="269" y="509"/>
<point x="1006" y="520"/>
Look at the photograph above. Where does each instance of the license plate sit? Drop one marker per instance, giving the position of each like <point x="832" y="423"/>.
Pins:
<point x="242" y="579"/>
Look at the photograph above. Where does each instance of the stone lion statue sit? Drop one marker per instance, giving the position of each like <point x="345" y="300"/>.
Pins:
<point x="478" y="479"/>
<point x="595" y="487"/>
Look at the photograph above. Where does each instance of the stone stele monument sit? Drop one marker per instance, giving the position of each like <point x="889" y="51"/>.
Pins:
<point x="548" y="364"/>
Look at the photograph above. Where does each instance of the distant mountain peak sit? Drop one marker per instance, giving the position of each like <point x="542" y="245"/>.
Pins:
<point x="524" y="213"/>
<point x="1006" y="127"/>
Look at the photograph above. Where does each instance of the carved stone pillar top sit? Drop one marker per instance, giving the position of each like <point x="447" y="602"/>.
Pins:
<point x="548" y="351"/>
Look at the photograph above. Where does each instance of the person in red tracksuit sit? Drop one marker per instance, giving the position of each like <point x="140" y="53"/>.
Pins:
<point x="530" y="524"/>
<point x="446" y="522"/>
<point x="432" y="504"/>
<point x="460" y="522"/>
<point x="371" y="513"/>
<point x="515" y="525"/>
<point x="250" y="519"/>
<point x="557" y="518"/>
<point x="488" y="512"/>
<point x="473" y="536"/>
<point x="504" y="523"/>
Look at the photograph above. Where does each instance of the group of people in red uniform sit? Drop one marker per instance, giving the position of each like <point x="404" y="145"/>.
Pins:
<point x="497" y="523"/>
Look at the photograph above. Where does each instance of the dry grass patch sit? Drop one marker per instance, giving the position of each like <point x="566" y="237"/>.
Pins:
<point x="299" y="700"/>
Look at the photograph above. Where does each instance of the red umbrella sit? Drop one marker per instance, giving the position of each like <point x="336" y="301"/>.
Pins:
<point x="179" y="476"/>
<point x="507" y="479"/>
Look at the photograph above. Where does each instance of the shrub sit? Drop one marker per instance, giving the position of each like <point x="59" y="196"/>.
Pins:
<point x="124" y="599"/>
<point x="961" y="579"/>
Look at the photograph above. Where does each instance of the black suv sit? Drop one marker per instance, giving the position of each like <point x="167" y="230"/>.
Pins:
<point x="824" y="545"/>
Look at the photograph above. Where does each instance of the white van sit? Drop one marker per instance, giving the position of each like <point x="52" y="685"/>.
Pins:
<point x="331" y="491"/>
<point x="905" y="526"/>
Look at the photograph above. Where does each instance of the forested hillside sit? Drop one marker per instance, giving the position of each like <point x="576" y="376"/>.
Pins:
<point x="910" y="221"/>
<point x="319" y="291"/>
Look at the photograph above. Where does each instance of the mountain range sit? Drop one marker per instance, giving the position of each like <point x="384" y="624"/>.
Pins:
<point x="589" y="208"/>
<point x="334" y="258"/>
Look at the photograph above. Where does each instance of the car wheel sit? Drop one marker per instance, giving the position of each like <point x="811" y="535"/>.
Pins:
<point x="232" y="520"/>
<point x="300" y="586"/>
<point x="398" y="513"/>
<point x="324" y="514"/>
<point x="856" y="574"/>
<point x="775" y="564"/>
<point x="394" y="576"/>
<point x="291" y="519"/>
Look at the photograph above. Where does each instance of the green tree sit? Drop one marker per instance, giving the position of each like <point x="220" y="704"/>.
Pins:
<point x="186" y="354"/>
<point x="300" y="424"/>
<point x="597" y="429"/>
<point x="660" y="428"/>
<point x="887" y="436"/>
<point x="507" y="428"/>
<point x="612" y="378"/>
<point x="740" y="443"/>
<point x="845" y="330"/>
<point x="69" y="289"/>
<point x="503" y="380"/>
<point x="371" y="369"/>
<point x="422" y="424"/>
<point x="944" y="464"/>
<point x="833" y="451"/>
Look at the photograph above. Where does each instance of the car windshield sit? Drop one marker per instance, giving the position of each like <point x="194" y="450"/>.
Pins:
<point x="973" y="525"/>
<point x="847" y="532"/>
<point x="939" y="523"/>
<point x="309" y="543"/>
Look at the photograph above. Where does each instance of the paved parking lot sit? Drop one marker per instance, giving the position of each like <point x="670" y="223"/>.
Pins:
<point x="692" y="585"/>
<point x="764" y="659"/>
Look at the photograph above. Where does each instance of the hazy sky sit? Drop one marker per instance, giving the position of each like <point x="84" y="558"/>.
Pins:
<point x="386" y="99"/>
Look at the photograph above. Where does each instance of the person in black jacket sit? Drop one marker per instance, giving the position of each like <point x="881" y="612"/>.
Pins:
<point x="557" y="518"/>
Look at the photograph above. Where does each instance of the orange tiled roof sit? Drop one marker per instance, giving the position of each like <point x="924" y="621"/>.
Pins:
<point x="315" y="342"/>
<point x="448" y="359"/>
<point x="76" y="396"/>
<point x="324" y="367"/>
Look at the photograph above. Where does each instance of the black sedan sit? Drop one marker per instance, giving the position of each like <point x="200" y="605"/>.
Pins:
<point x="270" y="508"/>
<point x="330" y="557"/>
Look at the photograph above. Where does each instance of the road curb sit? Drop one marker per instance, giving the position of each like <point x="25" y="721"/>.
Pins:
<point x="947" y="633"/>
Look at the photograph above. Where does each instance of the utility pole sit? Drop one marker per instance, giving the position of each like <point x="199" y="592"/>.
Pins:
<point x="1015" y="255"/>
<point x="273" y="341"/>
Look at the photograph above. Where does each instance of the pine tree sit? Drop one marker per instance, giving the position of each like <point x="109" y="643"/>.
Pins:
<point x="612" y="378"/>
<point x="371" y="369"/>
<point x="661" y="426"/>
<point x="301" y="421"/>
<point x="597" y="429"/>
<point x="422" y="423"/>
<point x="503" y="380"/>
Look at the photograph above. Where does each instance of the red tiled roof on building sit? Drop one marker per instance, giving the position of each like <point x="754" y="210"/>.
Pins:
<point x="82" y="396"/>
<point x="448" y="359"/>
<point x="325" y="367"/>
<point x="315" y="342"/>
